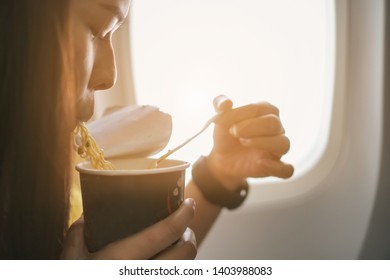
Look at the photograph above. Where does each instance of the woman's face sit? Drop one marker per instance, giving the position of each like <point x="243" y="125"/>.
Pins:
<point x="93" y="24"/>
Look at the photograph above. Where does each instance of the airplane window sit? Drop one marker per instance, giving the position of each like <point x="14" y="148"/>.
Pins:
<point x="186" y="52"/>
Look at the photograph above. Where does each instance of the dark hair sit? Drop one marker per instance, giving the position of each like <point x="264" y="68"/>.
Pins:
<point x="36" y="118"/>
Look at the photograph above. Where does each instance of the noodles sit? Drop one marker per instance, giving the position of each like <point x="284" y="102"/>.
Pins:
<point x="87" y="148"/>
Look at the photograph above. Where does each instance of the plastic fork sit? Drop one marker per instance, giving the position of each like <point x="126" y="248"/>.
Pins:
<point x="170" y="152"/>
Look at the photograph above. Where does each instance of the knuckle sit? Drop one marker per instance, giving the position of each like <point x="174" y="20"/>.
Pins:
<point x="288" y="144"/>
<point x="268" y="107"/>
<point x="285" y="145"/>
<point x="76" y="227"/>
<point x="273" y="124"/>
<point x="274" y="109"/>
<point x="174" y="229"/>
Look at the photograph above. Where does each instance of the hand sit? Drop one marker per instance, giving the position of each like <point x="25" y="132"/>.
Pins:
<point x="155" y="242"/>
<point x="249" y="141"/>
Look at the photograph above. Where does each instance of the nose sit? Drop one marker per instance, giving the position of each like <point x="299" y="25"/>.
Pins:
<point x="104" y="71"/>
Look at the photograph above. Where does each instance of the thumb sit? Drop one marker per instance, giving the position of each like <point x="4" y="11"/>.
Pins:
<point x="222" y="103"/>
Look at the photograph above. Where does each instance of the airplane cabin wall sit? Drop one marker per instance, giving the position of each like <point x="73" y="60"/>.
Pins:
<point x="332" y="220"/>
<point x="377" y="243"/>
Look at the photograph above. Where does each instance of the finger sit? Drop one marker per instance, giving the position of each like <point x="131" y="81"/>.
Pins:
<point x="274" y="168"/>
<point x="240" y="114"/>
<point x="222" y="103"/>
<point x="185" y="249"/>
<point x="75" y="231"/>
<point x="267" y="125"/>
<point x="153" y="239"/>
<point x="74" y="246"/>
<point x="278" y="145"/>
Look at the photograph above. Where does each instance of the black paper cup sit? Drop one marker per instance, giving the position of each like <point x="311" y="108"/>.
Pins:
<point x="119" y="203"/>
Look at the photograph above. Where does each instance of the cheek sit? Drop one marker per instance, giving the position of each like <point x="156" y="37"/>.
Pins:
<point x="84" y="58"/>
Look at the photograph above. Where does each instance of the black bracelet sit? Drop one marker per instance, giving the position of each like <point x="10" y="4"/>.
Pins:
<point x="213" y="190"/>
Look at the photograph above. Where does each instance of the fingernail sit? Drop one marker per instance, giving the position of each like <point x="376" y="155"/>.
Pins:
<point x="233" y="130"/>
<point x="245" y="141"/>
<point x="188" y="236"/>
<point x="222" y="103"/>
<point x="191" y="202"/>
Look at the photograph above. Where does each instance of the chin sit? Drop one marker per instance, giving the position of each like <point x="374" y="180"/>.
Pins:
<point x="85" y="115"/>
<point x="85" y="109"/>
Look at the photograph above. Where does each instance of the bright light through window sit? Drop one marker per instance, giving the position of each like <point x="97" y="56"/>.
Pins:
<point x="185" y="52"/>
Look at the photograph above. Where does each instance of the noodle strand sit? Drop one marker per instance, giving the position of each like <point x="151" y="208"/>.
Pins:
<point x="88" y="148"/>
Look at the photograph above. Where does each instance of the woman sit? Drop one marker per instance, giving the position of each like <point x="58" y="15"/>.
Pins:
<point x="54" y="55"/>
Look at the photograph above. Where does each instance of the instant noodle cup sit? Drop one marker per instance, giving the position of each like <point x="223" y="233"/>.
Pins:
<point x="121" y="202"/>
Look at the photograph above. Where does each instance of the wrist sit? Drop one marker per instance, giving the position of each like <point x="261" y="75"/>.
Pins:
<point x="214" y="190"/>
<point x="231" y="183"/>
